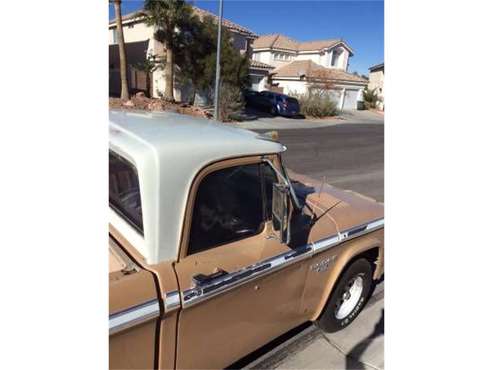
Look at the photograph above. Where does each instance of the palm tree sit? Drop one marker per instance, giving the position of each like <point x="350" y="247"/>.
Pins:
<point x="121" y="49"/>
<point x="148" y="66"/>
<point x="167" y="16"/>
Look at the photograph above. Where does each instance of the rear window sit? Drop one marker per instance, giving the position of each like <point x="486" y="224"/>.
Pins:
<point x="124" y="191"/>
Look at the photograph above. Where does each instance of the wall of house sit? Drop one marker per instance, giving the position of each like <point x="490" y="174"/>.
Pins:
<point x="274" y="58"/>
<point x="344" y="60"/>
<point x="262" y="56"/>
<point x="291" y="86"/>
<point x="376" y="80"/>
<point x="324" y="59"/>
<point x="132" y="32"/>
<point x="315" y="57"/>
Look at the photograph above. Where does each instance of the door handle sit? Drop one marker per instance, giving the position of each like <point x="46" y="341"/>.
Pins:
<point x="202" y="279"/>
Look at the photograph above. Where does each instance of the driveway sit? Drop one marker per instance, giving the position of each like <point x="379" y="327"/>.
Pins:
<point x="267" y="122"/>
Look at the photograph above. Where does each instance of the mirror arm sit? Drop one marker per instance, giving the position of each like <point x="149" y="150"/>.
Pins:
<point x="286" y="182"/>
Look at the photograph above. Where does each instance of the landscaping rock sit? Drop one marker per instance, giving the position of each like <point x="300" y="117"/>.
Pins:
<point x="156" y="105"/>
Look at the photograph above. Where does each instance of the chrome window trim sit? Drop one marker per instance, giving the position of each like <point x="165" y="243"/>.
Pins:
<point x="133" y="316"/>
<point x="200" y="293"/>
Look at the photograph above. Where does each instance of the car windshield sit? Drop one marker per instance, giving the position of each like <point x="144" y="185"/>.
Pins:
<point x="124" y="190"/>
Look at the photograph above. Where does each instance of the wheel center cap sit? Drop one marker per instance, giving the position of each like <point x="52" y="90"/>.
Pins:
<point x="346" y="296"/>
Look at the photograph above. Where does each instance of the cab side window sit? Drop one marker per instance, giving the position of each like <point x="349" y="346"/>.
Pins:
<point x="228" y="207"/>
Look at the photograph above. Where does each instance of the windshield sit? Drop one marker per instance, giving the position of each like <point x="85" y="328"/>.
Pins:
<point x="124" y="190"/>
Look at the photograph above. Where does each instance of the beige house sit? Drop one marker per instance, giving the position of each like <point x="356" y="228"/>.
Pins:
<point x="140" y="43"/>
<point x="297" y="64"/>
<point x="277" y="61"/>
<point x="376" y="77"/>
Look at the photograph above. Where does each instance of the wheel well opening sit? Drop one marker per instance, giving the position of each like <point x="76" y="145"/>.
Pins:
<point x="371" y="255"/>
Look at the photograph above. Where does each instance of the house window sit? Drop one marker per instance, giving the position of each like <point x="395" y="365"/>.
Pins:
<point x="114" y="36"/>
<point x="335" y="58"/>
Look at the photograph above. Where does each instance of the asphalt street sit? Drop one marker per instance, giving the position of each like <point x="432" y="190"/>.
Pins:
<point x="350" y="156"/>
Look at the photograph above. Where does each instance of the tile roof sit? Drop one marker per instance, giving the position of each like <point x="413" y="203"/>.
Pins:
<point x="275" y="41"/>
<point x="309" y="68"/>
<point x="260" y="65"/>
<point x="201" y="13"/>
<point x="278" y="41"/>
<point x="318" y="44"/>
<point x="376" y="67"/>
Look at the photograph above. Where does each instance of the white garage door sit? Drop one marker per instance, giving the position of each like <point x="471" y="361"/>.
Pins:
<point x="350" y="100"/>
<point x="255" y="82"/>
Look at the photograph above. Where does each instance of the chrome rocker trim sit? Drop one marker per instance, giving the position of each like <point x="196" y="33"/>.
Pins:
<point x="202" y="292"/>
<point x="133" y="316"/>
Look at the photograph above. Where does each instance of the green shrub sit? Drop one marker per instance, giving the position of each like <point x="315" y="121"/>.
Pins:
<point x="370" y="97"/>
<point x="230" y="102"/>
<point x="316" y="104"/>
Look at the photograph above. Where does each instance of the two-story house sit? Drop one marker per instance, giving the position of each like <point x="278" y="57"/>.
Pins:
<point x="140" y="43"/>
<point x="298" y="64"/>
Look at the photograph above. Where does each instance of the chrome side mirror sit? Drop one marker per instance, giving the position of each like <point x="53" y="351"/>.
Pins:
<point x="280" y="212"/>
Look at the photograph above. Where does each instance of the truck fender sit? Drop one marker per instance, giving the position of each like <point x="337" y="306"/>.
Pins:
<point x="351" y="250"/>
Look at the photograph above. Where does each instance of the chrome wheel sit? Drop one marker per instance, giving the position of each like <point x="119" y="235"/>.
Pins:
<point x="350" y="297"/>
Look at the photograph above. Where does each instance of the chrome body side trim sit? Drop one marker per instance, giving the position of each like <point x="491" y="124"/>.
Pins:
<point x="232" y="280"/>
<point x="172" y="301"/>
<point x="348" y="234"/>
<point x="202" y="292"/>
<point x="133" y="316"/>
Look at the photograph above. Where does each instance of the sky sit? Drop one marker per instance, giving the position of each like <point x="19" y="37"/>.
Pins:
<point x="359" y="23"/>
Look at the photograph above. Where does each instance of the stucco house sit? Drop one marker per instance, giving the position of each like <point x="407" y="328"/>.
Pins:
<point x="140" y="43"/>
<point x="297" y="64"/>
<point x="277" y="62"/>
<point x="376" y="78"/>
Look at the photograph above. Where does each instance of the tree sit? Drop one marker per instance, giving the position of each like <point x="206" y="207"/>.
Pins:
<point x="149" y="66"/>
<point x="169" y="17"/>
<point x="370" y="97"/>
<point x="121" y="49"/>
<point x="319" y="81"/>
<point x="234" y="65"/>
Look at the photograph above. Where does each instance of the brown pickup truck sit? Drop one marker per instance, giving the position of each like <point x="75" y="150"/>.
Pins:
<point x="215" y="251"/>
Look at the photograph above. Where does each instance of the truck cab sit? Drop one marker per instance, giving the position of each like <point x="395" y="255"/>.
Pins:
<point x="215" y="250"/>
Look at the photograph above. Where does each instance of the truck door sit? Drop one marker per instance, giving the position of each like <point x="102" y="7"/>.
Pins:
<point x="133" y="313"/>
<point x="237" y="291"/>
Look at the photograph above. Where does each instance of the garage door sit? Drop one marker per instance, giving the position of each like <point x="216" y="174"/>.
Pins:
<point x="255" y="82"/>
<point x="350" y="100"/>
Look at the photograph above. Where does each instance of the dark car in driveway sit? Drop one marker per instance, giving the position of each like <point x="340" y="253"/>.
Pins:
<point x="272" y="102"/>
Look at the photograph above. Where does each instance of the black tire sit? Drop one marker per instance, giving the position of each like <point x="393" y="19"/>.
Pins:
<point x="273" y="111"/>
<point x="328" y="320"/>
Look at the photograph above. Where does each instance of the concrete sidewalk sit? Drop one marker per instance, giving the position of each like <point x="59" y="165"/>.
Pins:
<point x="283" y="123"/>
<point x="359" y="346"/>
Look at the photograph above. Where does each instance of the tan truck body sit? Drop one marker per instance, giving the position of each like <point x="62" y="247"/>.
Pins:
<point x="160" y="317"/>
